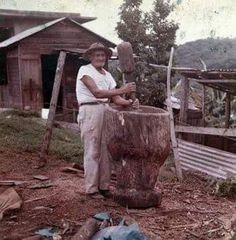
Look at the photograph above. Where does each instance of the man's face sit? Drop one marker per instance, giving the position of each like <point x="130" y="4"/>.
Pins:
<point x="98" y="58"/>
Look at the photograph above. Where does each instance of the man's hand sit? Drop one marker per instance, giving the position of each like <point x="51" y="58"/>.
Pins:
<point x="128" y="88"/>
<point x="135" y="104"/>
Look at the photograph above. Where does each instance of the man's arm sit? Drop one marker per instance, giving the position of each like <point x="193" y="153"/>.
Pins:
<point x="98" y="93"/>
<point x="118" y="100"/>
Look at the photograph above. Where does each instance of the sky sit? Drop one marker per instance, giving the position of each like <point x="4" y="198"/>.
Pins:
<point x="197" y="18"/>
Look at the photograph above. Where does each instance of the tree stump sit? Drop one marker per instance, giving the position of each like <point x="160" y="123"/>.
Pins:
<point x="139" y="143"/>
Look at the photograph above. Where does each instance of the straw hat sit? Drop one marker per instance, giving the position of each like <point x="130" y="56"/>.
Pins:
<point x="95" y="47"/>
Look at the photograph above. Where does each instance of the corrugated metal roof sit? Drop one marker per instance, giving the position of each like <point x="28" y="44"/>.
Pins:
<point x="29" y="32"/>
<point x="14" y="15"/>
<point x="214" y="162"/>
<point x="22" y="35"/>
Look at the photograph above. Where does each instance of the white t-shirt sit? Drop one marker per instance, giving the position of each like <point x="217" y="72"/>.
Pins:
<point x="103" y="82"/>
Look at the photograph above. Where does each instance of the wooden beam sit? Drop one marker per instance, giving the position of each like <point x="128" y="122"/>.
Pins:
<point x="20" y="77"/>
<point x="228" y="132"/>
<point x="216" y="81"/>
<point x="52" y="111"/>
<point x="227" y="110"/>
<point x="227" y="119"/>
<point x="173" y="68"/>
<point x="203" y="105"/>
<point x="172" y="127"/>
<point x="184" y="99"/>
<point x="203" y="110"/>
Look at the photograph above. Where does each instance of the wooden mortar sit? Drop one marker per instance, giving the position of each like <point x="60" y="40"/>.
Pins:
<point x="139" y="143"/>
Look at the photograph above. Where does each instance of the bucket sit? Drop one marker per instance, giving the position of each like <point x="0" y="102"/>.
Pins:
<point x="44" y="113"/>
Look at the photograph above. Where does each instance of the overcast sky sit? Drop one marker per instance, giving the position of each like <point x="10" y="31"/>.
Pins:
<point x="197" y="18"/>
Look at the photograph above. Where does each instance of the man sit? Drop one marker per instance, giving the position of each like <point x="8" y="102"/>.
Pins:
<point x="94" y="87"/>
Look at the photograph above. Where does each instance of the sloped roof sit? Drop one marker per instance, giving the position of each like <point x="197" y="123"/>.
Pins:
<point x="29" y="32"/>
<point x="222" y="79"/>
<point x="16" y="14"/>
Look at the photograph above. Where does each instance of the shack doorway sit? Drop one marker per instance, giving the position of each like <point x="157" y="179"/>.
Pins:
<point x="49" y="65"/>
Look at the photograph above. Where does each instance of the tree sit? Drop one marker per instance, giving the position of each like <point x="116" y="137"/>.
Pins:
<point x="131" y="27"/>
<point x="162" y="30"/>
<point x="151" y="35"/>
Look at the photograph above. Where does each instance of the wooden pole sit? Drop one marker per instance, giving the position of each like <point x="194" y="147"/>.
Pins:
<point x="204" y="111"/>
<point x="227" y="118"/>
<point x="52" y="111"/>
<point x="184" y="99"/>
<point x="227" y="110"/>
<point x="230" y="132"/>
<point x="183" y="114"/>
<point x="172" y="127"/>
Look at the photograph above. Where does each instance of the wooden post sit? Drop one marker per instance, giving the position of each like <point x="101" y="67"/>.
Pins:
<point x="172" y="127"/>
<point x="52" y="110"/>
<point x="227" y="110"/>
<point x="227" y="118"/>
<point x="204" y="112"/>
<point x="184" y="99"/>
<point x="183" y="114"/>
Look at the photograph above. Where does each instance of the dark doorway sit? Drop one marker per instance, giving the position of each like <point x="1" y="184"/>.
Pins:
<point x="49" y="65"/>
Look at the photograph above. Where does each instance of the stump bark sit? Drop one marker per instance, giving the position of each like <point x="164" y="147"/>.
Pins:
<point x="139" y="143"/>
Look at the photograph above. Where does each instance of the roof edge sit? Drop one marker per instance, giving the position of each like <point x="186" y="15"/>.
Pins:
<point x="9" y="13"/>
<point x="29" y="32"/>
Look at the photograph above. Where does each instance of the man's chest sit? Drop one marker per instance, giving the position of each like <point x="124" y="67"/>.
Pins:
<point x="101" y="81"/>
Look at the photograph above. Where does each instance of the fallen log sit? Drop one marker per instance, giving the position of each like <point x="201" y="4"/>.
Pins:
<point x="90" y="227"/>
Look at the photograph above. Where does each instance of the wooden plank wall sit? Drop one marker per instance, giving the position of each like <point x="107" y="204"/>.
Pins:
<point x="31" y="77"/>
<point x="62" y="35"/>
<point x="10" y="93"/>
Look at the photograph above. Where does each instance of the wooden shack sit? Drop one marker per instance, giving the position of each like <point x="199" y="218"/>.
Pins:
<point x="29" y="59"/>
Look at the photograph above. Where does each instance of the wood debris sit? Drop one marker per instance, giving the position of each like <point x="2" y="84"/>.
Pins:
<point x="41" y="177"/>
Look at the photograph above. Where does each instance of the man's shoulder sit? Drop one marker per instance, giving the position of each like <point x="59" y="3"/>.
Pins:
<point x="85" y="67"/>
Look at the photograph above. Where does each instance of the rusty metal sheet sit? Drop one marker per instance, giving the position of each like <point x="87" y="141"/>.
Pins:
<point x="28" y="33"/>
<point x="212" y="161"/>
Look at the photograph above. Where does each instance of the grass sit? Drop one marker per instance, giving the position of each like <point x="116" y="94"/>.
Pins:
<point x="20" y="132"/>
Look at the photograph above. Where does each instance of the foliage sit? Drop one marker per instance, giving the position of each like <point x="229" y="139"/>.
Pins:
<point x="151" y="35"/>
<point x="225" y="188"/>
<point x="24" y="134"/>
<point x="131" y="27"/>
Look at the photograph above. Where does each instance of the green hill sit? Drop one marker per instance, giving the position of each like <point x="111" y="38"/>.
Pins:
<point x="216" y="53"/>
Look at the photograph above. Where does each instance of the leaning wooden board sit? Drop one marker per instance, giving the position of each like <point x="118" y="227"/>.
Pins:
<point x="52" y="111"/>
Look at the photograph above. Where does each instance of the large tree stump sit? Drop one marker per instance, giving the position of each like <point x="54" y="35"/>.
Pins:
<point x="139" y="143"/>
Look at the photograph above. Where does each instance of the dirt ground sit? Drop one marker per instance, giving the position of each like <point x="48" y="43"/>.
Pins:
<point x="188" y="211"/>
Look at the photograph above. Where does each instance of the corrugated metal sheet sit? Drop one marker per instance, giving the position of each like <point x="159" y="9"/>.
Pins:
<point x="205" y="159"/>
<point x="28" y="33"/>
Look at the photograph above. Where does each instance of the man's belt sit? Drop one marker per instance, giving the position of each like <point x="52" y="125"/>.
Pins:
<point x="92" y="103"/>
